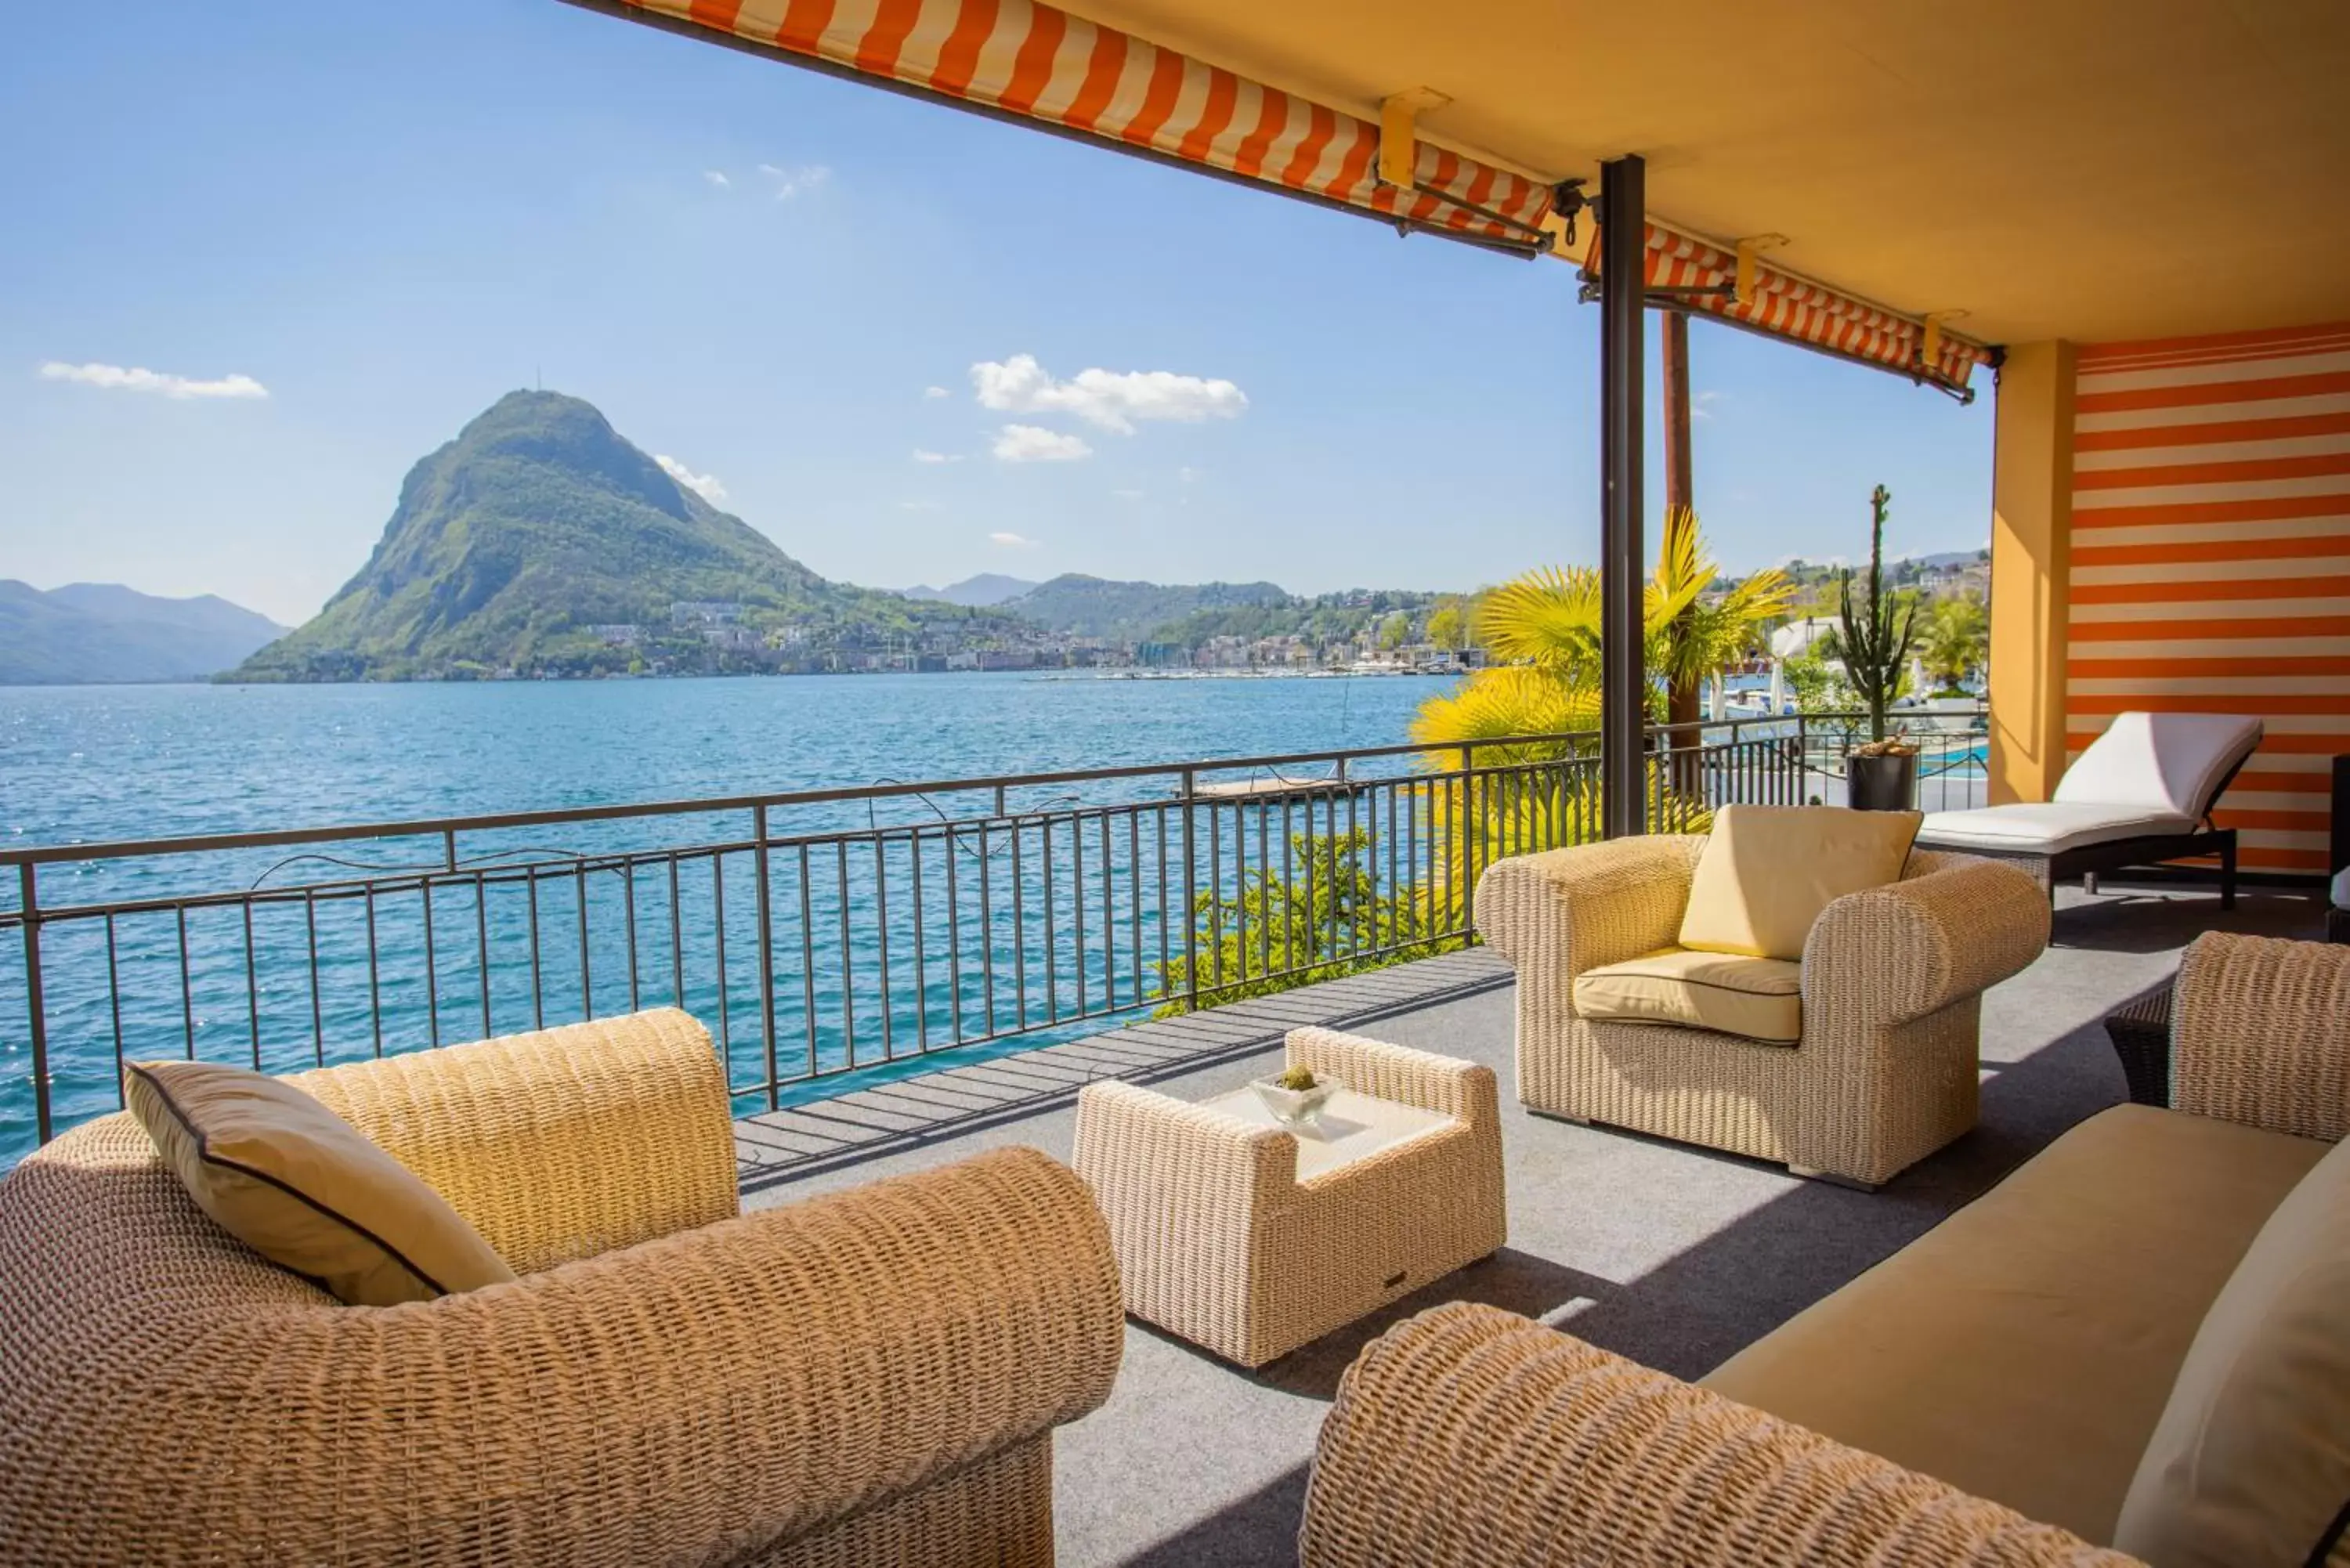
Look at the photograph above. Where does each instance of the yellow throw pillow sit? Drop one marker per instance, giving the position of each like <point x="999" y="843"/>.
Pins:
<point x="1768" y="871"/>
<point x="305" y="1188"/>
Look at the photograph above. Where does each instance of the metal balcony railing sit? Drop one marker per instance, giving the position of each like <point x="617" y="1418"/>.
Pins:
<point x="824" y="931"/>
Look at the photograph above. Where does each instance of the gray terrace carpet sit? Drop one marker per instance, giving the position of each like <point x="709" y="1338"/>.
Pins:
<point x="1673" y="1256"/>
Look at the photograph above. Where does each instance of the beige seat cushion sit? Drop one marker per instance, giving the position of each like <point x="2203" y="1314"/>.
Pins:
<point x="2251" y="1460"/>
<point x="303" y="1188"/>
<point x="2023" y="1349"/>
<point x="1767" y="871"/>
<point x="1759" y="998"/>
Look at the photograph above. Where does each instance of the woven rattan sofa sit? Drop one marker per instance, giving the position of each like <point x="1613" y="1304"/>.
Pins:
<point x="872" y="1376"/>
<point x="2041" y="1378"/>
<point x="1884" y="1072"/>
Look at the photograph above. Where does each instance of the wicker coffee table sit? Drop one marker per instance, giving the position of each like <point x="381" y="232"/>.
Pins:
<point x="1250" y="1238"/>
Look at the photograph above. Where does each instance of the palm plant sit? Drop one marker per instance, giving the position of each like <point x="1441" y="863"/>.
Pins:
<point x="1956" y="640"/>
<point x="1873" y="641"/>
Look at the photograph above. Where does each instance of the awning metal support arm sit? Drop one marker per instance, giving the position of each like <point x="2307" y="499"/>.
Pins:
<point x="1623" y="682"/>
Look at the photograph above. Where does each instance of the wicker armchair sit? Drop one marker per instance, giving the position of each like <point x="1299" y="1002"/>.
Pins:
<point x="1892" y="978"/>
<point x="870" y="1377"/>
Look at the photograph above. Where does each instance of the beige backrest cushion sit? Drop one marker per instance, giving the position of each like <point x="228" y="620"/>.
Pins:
<point x="1768" y="871"/>
<point x="2251" y="1461"/>
<point x="300" y="1186"/>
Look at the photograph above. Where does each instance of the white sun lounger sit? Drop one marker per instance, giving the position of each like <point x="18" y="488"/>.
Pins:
<point x="2142" y="793"/>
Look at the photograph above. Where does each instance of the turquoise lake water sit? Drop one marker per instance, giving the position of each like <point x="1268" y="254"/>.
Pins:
<point x="98" y="764"/>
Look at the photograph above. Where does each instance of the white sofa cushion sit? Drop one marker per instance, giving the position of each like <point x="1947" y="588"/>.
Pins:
<point x="2162" y="762"/>
<point x="2045" y="827"/>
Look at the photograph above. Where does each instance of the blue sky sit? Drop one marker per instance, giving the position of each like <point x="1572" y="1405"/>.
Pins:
<point x="387" y="216"/>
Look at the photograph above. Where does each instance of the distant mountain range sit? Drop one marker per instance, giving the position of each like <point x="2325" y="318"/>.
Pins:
<point x="541" y="541"/>
<point x="1097" y="606"/>
<point x="981" y="592"/>
<point x="103" y="632"/>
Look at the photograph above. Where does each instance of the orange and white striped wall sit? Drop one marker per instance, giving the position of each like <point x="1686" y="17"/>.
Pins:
<point x="2172" y="533"/>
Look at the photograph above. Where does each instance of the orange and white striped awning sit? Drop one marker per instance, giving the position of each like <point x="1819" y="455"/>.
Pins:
<point x="1030" y="61"/>
<point x="1039" y="63"/>
<point x="1701" y="275"/>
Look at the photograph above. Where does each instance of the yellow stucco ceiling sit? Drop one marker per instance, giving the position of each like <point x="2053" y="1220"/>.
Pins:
<point x="2096" y="170"/>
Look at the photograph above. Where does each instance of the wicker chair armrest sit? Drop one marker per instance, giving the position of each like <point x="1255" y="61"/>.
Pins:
<point x="1399" y="1073"/>
<point x="1567" y="911"/>
<point x="562" y="1144"/>
<point x="2260" y="1033"/>
<point x="688" y="1399"/>
<point x="1471" y="1436"/>
<point x="1910" y="947"/>
<point x="1151" y="1159"/>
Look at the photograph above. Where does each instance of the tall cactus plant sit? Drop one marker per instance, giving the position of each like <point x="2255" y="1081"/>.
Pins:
<point x="1877" y="638"/>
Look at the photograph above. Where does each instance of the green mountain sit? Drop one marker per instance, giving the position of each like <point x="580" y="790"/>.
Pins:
<point x="90" y="633"/>
<point x="1095" y="606"/>
<point x="540" y="541"/>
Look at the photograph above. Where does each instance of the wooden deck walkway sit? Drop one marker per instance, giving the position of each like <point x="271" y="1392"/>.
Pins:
<point x="780" y="1146"/>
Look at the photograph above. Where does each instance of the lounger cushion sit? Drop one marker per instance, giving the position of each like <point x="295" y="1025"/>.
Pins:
<point x="1767" y="871"/>
<point x="2162" y="762"/>
<point x="2251" y="1460"/>
<point x="2023" y="1349"/>
<point x="1756" y="998"/>
<point x="2342" y="888"/>
<point x="305" y="1188"/>
<point x="2046" y="827"/>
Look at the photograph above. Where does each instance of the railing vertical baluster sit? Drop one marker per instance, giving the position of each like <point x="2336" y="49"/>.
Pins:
<point x="1166" y="936"/>
<point x="1289" y="885"/>
<point x="1215" y="895"/>
<point x="114" y="995"/>
<point x="676" y="938"/>
<point x="431" y="974"/>
<point x="718" y="920"/>
<point x="252" y="985"/>
<point x="1019" y="929"/>
<point x="847" y="958"/>
<point x="881" y="927"/>
<point x="28" y="908"/>
<point x="187" y="986"/>
<point x="586" y="978"/>
<point x="627" y="870"/>
<point x="1134" y="896"/>
<point x="1078" y="905"/>
<point x="1354" y="863"/>
<point x="987" y="927"/>
<point x="481" y="940"/>
<point x="766" y="927"/>
<point x="1187" y="792"/>
<point x="374" y="978"/>
<point x="1052" y="943"/>
<point x="1108" y="920"/>
<point x="317" y="1013"/>
<point x="921" y="955"/>
<point x="807" y="958"/>
<point x="537" y="975"/>
<point x="954" y="932"/>
<point x="1240" y="887"/>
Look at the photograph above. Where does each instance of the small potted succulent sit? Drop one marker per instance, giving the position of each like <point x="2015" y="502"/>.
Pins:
<point x="1297" y="1096"/>
<point x="1875" y="641"/>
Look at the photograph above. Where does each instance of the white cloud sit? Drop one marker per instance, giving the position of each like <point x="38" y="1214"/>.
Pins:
<point x="1012" y="541"/>
<point x="929" y="392"/>
<point x="115" y="378"/>
<point x="1034" y="443"/>
<point x="1127" y="494"/>
<point x="1188" y="475"/>
<point x="921" y="455"/>
<point x="705" y="486"/>
<point x="918" y="507"/>
<point x="1701" y="406"/>
<point x="1112" y="399"/>
<point x="789" y="182"/>
<point x="715" y="177"/>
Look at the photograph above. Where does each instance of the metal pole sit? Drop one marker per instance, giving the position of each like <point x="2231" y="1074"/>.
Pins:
<point x="1623" y="683"/>
<point x="29" y="905"/>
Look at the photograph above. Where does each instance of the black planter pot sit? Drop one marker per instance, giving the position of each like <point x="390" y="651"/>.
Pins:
<point x="1881" y="783"/>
